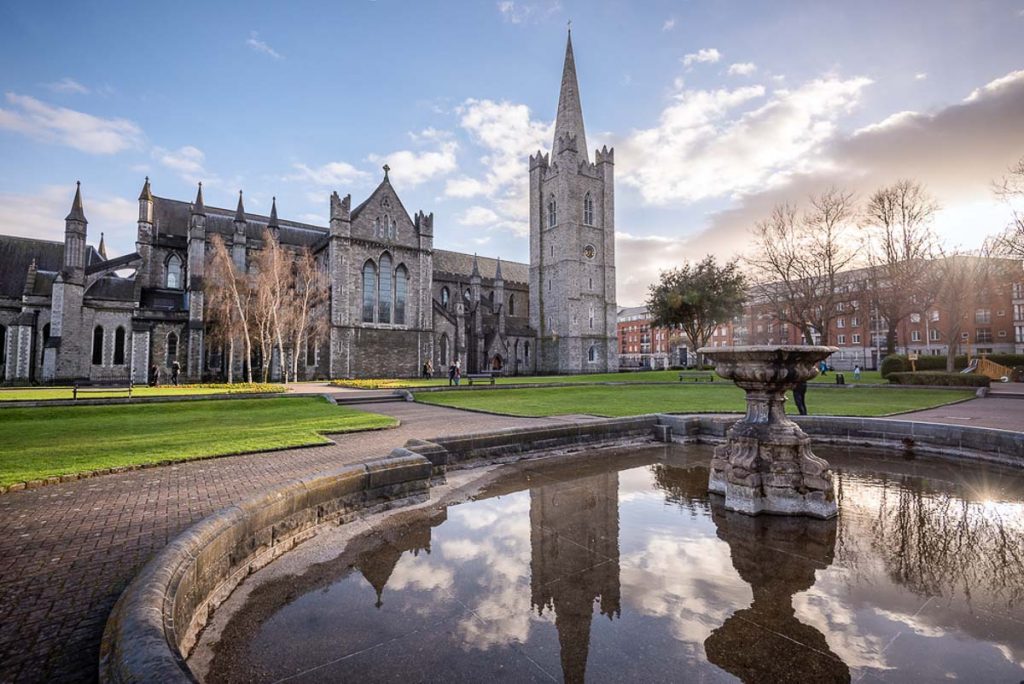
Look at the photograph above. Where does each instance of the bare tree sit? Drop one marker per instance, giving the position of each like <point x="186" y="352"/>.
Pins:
<point x="799" y="259"/>
<point x="232" y="293"/>
<point x="1010" y="189"/>
<point x="900" y="243"/>
<point x="307" y="318"/>
<point x="962" y="278"/>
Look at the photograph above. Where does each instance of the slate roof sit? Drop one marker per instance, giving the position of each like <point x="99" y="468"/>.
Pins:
<point x="459" y="264"/>
<point x="112" y="288"/>
<point x="16" y="253"/>
<point x="172" y="217"/>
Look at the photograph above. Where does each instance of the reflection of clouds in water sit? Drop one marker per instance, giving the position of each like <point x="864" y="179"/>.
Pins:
<point x="1017" y="658"/>
<point x="635" y="485"/>
<point x="915" y="624"/>
<point x="689" y="581"/>
<point x="823" y="608"/>
<point x="420" y="572"/>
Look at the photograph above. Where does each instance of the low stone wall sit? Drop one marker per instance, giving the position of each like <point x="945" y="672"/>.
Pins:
<point x="159" y="615"/>
<point x="1003" y="447"/>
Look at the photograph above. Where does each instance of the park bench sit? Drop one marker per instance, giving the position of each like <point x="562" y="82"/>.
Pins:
<point x="697" y="377"/>
<point x="480" y="377"/>
<point x="84" y="388"/>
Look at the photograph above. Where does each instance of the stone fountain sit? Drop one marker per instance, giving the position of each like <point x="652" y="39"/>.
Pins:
<point x="766" y="465"/>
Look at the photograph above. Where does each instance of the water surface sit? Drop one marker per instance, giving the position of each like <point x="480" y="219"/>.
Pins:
<point x="623" y="568"/>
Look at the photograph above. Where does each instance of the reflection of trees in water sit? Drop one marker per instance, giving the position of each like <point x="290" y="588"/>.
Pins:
<point x="686" y="487"/>
<point x="933" y="541"/>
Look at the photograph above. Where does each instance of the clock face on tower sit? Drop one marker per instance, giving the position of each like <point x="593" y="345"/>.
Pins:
<point x="589" y="252"/>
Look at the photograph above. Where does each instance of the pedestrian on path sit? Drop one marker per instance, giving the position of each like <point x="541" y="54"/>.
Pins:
<point x="856" y="373"/>
<point x="451" y="375"/>
<point x="800" y="397"/>
<point x="175" y="370"/>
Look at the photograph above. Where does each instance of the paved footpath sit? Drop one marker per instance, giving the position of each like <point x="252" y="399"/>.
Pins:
<point x="67" y="551"/>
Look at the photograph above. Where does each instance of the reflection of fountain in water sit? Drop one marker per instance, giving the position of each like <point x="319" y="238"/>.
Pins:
<point x="378" y="562"/>
<point x="778" y="557"/>
<point x="574" y="538"/>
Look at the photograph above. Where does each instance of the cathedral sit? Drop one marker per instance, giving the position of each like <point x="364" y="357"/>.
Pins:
<point x="67" y="312"/>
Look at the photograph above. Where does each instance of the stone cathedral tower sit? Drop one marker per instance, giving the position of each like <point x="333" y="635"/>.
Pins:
<point x="572" y="244"/>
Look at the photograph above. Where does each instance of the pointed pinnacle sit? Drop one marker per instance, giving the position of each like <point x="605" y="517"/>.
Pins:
<point x="147" y="192"/>
<point x="199" y="207"/>
<point x="240" y="211"/>
<point x="77" y="212"/>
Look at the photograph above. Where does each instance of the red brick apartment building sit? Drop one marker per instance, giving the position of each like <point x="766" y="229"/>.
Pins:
<point x="993" y="323"/>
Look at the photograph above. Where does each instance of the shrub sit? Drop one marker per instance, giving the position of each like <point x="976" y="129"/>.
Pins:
<point x="939" y="379"/>
<point x="894" y="363"/>
<point x="938" y="363"/>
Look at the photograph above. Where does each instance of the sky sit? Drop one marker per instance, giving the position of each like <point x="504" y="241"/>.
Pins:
<point x="716" y="109"/>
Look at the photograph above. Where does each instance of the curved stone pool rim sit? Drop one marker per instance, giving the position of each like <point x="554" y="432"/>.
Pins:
<point x="158" y="617"/>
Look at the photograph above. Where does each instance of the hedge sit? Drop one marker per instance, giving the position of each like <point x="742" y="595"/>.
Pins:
<point x="896" y="363"/>
<point x="939" y="379"/>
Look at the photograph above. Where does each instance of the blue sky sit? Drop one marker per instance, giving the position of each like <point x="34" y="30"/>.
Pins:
<point x="716" y="109"/>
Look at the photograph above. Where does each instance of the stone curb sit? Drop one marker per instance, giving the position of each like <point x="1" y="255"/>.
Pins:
<point x="159" y="616"/>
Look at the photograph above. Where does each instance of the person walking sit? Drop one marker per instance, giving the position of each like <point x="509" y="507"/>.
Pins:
<point x="856" y="373"/>
<point x="458" y="373"/>
<point x="800" y="397"/>
<point x="823" y="367"/>
<point x="451" y="375"/>
<point x="428" y="371"/>
<point x="175" y="370"/>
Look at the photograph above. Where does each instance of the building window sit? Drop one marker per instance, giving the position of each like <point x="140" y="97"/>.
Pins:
<point x="934" y="335"/>
<point x="444" y="349"/>
<point x="983" y="316"/>
<point x="310" y="351"/>
<point x="1018" y="331"/>
<point x="983" y="336"/>
<point x="592" y="353"/>
<point x="591" y="316"/>
<point x="934" y="316"/>
<point x="3" y="345"/>
<point x="1002" y="333"/>
<point x="552" y="212"/>
<point x="840" y="322"/>
<point x="385" y="293"/>
<point x="588" y="209"/>
<point x="964" y="336"/>
<point x="401" y="292"/>
<point x="511" y="305"/>
<point x="119" y="346"/>
<point x="467" y="295"/>
<point x="842" y="339"/>
<point x="174" y="272"/>
<point x="446" y="297"/>
<point x="172" y="348"/>
<point x="856" y="338"/>
<point x="526" y="352"/>
<point x="369" y="290"/>
<point x="915" y="335"/>
<point x="97" y="345"/>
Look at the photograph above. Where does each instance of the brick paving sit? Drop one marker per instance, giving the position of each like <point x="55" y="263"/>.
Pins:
<point x="67" y="551"/>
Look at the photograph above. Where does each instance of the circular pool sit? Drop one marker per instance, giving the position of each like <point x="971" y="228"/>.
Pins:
<point x="619" y="566"/>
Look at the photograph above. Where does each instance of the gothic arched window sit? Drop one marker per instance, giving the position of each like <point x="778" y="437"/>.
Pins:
<point x="385" y="294"/>
<point x="97" y="345"/>
<point x="526" y="352"/>
<point x="174" y="272"/>
<point x="369" y="290"/>
<point x="552" y="212"/>
<point x="401" y="292"/>
<point x="446" y="297"/>
<point x="119" y="346"/>
<point x="444" y="349"/>
<point x="592" y="353"/>
<point x="3" y="345"/>
<point x="511" y="305"/>
<point x="588" y="210"/>
<point x="172" y="348"/>
<point x="591" y="316"/>
<point x="310" y="351"/>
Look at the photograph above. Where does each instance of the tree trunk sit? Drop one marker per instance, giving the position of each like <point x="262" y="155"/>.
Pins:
<point x="231" y="361"/>
<point x="890" y="341"/>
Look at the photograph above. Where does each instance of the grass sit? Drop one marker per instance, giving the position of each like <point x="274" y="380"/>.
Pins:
<point x="638" y="377"/>
<point x="37" y="443"/>
<point x="45" y="393"/>
<point x="632" y="400"/>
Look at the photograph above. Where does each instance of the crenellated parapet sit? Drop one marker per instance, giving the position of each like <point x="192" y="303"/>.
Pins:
<point x="541" y="160"/>
<point x="604" y="156"/>
<point x="424" y="223"/>
<point x="341" y="215"/>
<point x="567" y="143"/>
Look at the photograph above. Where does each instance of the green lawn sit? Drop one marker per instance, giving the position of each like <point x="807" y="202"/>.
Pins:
<point x="43" y="393"/>
<point x="632" y="400"/>
<point x="590" y="378"/>
<point x="36" y="443"/>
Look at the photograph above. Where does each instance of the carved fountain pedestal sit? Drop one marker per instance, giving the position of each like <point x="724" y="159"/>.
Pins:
<point x="766" y="465"/>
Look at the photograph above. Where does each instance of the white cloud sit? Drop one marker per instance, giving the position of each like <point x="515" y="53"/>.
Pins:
<point x="40" y="215"/>
<point x="64" y="126"/>
<point x="520" y="12"/>
<point x="720" y="143"/>
<point x="411" y="168"/>
<point x="186" y="161"/>
<point x="640" y="259"/>
<point x="1011" y="80"/>
<point x="332" y="174"/>
<point x="742" y="69"/>
<point x="702" y="56"/>
<point x="258" y="45"/>
<point x="68" y="85"/>
<point x="507" y="134"/>
<point x="478" y="216"/>
<point x="669" y="24"/>
<point x="920" y="76"/>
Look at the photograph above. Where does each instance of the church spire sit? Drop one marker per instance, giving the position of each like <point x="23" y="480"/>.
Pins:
<point x="199" y="207"/>
<point x="77" y="212"/>
<point x="272" y="223"/>
<point x="147" y="191"/>
<point x="240" y="211"/>
<point x="569" y="121"/>
<point x="102" y="248"/>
